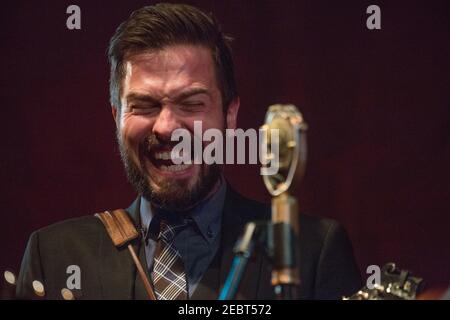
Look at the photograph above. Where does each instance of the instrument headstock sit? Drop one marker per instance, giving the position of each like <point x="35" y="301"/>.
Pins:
<point x="395" y="284"/>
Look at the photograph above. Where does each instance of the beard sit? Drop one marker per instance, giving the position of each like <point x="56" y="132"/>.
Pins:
<point x="169" y="194"/>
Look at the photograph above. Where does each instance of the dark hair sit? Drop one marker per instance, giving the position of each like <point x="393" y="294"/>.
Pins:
<point x="161" y="25"/>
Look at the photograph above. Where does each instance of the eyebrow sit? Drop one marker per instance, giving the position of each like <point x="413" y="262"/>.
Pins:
<point x="134" y="96"/>
<point x="191" y="92"/>
<point x="141" y="98"/>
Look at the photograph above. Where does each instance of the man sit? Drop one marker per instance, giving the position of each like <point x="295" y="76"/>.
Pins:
<point x="170" y="66"/>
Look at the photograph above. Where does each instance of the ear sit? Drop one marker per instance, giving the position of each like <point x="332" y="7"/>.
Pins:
<point x="232" y="113"/>
<point x="115" y="114"/>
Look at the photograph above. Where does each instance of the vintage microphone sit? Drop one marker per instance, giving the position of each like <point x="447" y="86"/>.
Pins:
<point x="288" y="155"/>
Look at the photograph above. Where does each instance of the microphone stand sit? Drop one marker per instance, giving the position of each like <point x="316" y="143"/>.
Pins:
<point x="254" y="235"/>
<point x="280" y="236"/>
<point x="279" y="240"/>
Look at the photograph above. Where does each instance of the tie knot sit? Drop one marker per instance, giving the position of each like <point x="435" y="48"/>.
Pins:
<point x="168" y="231"/>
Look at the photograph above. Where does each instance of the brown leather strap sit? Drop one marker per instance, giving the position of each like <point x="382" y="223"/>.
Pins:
<point x="119" y="226"/>
<point x="122" y="231"/>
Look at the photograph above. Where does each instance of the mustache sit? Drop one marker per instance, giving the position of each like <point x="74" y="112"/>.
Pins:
<point x="153" y="142"/>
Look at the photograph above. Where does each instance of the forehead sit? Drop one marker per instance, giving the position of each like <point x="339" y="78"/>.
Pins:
<point x="169" y="70"/>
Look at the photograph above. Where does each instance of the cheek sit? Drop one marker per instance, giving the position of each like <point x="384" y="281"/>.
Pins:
<point x="134" y="130"/>
<point x="209" y="121"/>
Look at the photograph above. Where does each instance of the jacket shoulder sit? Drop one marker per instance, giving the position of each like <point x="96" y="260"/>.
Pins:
<point x="84" y="224"/>
<point x="327" y="263"/>
<point x="318" y="225"/>
<point x="80" y="234"/>
<point x="317" y="233"/>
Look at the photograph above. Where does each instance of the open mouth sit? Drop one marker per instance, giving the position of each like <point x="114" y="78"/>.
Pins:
<point x="162" y="161"/>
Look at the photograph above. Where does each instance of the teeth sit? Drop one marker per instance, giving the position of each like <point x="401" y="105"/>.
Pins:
<point x="162" y="155"/>
<point x="174" y="168"/>
<point x="166" y="156"/>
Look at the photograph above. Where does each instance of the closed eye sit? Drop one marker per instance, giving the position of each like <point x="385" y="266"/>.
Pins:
<point x="193" y="103"/>
<point x="192" y="106"/>
<point x="144" y="109"/>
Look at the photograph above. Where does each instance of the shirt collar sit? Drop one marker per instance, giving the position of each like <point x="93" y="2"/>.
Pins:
<point x="207" y="215"/>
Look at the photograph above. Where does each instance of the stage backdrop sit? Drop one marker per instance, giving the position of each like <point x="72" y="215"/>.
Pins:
<point x="377" y="103"/>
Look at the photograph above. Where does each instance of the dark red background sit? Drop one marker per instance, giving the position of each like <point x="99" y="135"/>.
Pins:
<point x="377" y="103"/>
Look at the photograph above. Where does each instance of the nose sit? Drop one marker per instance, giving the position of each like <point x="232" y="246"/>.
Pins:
<point x="165" y="123"/>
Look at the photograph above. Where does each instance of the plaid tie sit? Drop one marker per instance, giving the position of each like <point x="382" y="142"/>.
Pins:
<point x="169" y="278"/>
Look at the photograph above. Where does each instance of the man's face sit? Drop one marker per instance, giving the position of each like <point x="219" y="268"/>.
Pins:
<point x="162" y="91"/>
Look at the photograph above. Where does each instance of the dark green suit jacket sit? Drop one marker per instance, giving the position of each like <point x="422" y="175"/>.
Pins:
<point x="327" y="266"/>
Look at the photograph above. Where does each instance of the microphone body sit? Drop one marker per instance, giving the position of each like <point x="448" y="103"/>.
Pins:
<point x="284" y="240"/>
